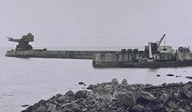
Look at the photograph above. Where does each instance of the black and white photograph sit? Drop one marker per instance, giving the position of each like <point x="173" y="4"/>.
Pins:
<point x="95" y="56"/>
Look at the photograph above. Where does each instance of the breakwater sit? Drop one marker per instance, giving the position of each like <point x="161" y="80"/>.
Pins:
<point x="56" y="54"/>
<point x="135" y="60"/>
<point x="120" y="97"/>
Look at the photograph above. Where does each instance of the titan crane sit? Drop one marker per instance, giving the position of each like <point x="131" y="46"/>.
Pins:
<point x="23" y="43"/>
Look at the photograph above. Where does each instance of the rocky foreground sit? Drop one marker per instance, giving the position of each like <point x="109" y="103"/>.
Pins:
<point x="115" y="97"/>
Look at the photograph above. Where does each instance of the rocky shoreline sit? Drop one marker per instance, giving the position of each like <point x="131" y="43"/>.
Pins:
<point x="121" y="97"/>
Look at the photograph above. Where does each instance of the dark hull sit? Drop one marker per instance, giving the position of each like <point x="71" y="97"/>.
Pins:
<point x="125" y="64"/>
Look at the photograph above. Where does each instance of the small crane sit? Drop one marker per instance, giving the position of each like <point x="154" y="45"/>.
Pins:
<point x="159" y="43"/>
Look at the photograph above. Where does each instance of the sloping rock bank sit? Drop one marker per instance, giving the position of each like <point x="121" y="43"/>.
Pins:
<point x="121" y="97"/>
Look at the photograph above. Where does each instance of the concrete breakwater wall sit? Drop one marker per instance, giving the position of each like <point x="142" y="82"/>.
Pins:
<point x="137" y="60"/>
<point x="56" y="54"/>
<point x="112" y="57"/>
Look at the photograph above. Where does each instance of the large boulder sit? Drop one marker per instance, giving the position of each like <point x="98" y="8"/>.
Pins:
<point x="187" y="89"/>
<point x="42" y="109"/>
<point x="124" y="83"/>
<point x="81" y="94"/>
<point x="157" y="107"/>
<point x="99" y="88"/>
<point x="68" y="97"/>
<point x="172" y="104"/>
<point x="76" y="107"/>
<point x="51" y="108"/>
<point x="114" y="82"/>
<point x="181" y="110"/>
<point x="91" y="87"/>
<point x="144" y="97"/>
<point x="125" y="99"/>
<point x="54" y="98"/>
<point x="108" y="89"/>
<point x="69" y="93"/>
<point x="137" y="108"/>
<point x="164" y="97"/>
<point x="61" y="99"/>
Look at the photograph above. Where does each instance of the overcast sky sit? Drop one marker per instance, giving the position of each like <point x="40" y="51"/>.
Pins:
<point x="96" y="23"/>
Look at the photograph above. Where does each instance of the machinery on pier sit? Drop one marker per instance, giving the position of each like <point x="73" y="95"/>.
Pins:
<point x="23" y="43"/>
<point x="153" y="47"/>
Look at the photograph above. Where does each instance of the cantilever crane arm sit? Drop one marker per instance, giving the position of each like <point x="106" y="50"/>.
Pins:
<point x="159" y="43"/>
<point x="13" y="40"/>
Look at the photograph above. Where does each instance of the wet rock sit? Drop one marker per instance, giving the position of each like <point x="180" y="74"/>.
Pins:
<point x="93" y="110"/>
<point x="81" y="83"/>
<point x="54" y="98"/>
<point x="84" y="110"/>
<point x="188" y="77"/>
<point x="99" y="89"/>
<point x="148" y="109"/>
<point x="164" y="97"/>
<point x="124" y="82"/>
<point x="42" y="103"/>
<point x="141" y="86"/>
<point x="114" y="82"/>
<point x="164" y="84"/>
<point x="41" y="109"/>
<point x="105" y="84"/>
<point x="108" y="89"/>
<point x="69" y="93"/>
<point x="157" y="107"/>
<point x="149" y="85"/>
<point x="62" y="98"/>
<point x="81" y="94"/>
<point x="26" y="105"/>
<point x="188" y="90"/>
<point x="181" y="110"/>
<point x="172" y="104"/>
<point x="170" y="75"/>
<point x="75" y="106"/>
<point x="68" y="97"/>
<point x="91" y="87"/>
<point x="188" y="108"/>
<point x="125" y="99"/>
<point x="145" y="97"/>
<point x="137" y="108"/>
<point x="168" y="109"/>
<point x="51" y="108"/>
<point x="178" y="76"/>
<point x="66" y="110"/>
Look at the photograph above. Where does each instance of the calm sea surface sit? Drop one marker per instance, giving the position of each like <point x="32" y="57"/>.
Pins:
<point x="26" y="81"/>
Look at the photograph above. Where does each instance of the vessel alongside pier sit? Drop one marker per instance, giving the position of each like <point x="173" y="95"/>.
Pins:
<point x="153" y="56"/>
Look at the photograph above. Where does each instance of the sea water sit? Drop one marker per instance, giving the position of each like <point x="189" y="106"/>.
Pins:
<point x="28" y="80"/>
